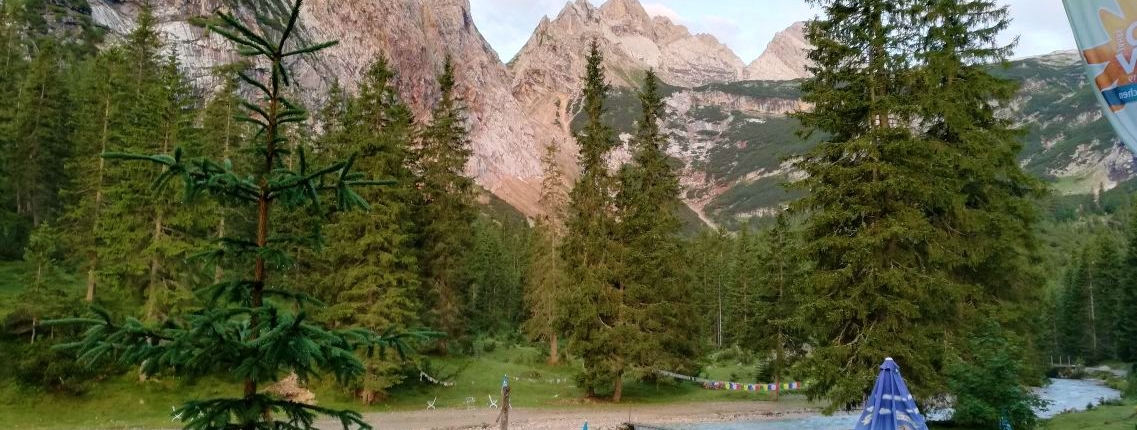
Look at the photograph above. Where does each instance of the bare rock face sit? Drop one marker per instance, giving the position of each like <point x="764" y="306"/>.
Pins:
<point x="553" y="59"/>
<point x="415" y="35"/>
<point x="784" y="58"/>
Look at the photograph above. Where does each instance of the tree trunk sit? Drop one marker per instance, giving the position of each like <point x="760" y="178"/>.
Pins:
<point x="618" y="391"/>
<point x="218" y="272"/>
<point x="554" y="354"/>
<point x="1093" y="319"/>
<point x="97" y="205"/>
<point x="152" y="286"/>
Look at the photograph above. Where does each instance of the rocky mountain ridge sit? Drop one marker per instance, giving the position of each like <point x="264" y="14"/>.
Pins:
<point x="729" y="123"/>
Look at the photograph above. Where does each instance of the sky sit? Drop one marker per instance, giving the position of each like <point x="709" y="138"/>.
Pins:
<point x="746" y="26"/>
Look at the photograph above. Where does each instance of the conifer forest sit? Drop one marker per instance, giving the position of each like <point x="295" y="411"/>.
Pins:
<point x="238" y="230"/>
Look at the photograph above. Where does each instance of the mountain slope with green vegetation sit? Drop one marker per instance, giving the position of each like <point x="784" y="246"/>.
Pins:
<point x="735" y="138"/>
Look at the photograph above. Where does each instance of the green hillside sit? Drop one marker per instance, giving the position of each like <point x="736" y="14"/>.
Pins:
<point x="1065" y="139"/>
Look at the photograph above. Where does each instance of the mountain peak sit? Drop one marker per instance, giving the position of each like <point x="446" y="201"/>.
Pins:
<point x="784" y="57"/>
<point x="624" y="9"/>
<point x="632" y="41"/>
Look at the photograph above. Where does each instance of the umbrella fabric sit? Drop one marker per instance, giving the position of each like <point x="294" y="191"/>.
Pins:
<point x="891" y="406"/>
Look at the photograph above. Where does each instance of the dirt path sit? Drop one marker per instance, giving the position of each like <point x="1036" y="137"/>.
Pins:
<point x="599" y="417"/>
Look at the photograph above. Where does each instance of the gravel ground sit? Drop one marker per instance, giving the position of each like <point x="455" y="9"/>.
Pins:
<point x="599" y="417"/>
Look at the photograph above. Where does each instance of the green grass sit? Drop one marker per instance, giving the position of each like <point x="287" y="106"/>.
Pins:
<point x="1100" y="418"/>
<point x="124" y="402"/>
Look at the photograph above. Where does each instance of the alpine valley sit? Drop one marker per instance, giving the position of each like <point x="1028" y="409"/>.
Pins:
<point x="728" y="120"/>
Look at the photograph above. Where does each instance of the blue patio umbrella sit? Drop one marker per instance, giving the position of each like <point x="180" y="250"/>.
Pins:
<point x="891" y="406"/>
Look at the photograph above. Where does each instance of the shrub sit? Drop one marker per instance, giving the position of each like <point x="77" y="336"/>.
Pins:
<point x="986" y="383"/>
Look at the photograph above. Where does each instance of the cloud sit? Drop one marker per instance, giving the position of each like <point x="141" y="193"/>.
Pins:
<point x="1041" y="26"/>
<point x="656" y="9"/>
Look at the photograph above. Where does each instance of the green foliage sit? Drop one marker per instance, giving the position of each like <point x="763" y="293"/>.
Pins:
<point x="249" y="327"/>
<point x="589" y="251"/>
<point x="986" y="383"/>
<point x="711" y="113"/>
<point x="788" y="90"/>
<point x="447" y="209"/>
<point x="546" y="280"/>
<point x="655" y="327"/>
<point x="914" y="233"/>
<point x="496" y="266"/>
<point x="369" y="271"/>
<point x="1125" y="327"/>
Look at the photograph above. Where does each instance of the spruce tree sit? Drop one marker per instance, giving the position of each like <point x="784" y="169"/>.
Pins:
<point x="177" y="230"/>
<point x="779" y="274"/>
<point x="370" y="270"/>
<point x="40" y="135"/>
<point x="126" y="257"/>
<point x="877" y="287"/>
<point x="589" y="308"/>
<point x="1075" y="329"/>
<point x="495" y="266"/>
<point x="447" y="206"/>
<point x="1106" y="290"/>
<point x="99" y="123"/>
<point x="656" y="320"/>
<point x="546" y="278"/>
<point x="251" y="328"/>
<point x="992" y="248"/>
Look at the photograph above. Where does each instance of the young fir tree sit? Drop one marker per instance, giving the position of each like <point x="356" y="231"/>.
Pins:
<point x="589" y="308"/>
<point x="447" y="209"/>
<point x="252" y="328"/>
<point x="371" y="274"/>
<point x="655" y="322"/>
<point x="878" y="285"/>
<point x="546" y="278"/>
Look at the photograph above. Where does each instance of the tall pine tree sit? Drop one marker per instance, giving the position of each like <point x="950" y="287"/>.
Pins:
<point x="992" y="248"/>
<point x="655" y="322"/>
<point x="371" y="273"/>
<point x="546" y="279"/>
<point x="878" y="288"/>
<point x="447" y="210"/>
<point x="589" y="308"/>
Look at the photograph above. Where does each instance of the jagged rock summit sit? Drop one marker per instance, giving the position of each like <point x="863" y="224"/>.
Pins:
<point x="514" y="110"/>
<point x="784" y="58"/>
<point x="632" y="41"/>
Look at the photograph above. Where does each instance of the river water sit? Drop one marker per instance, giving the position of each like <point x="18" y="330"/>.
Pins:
<point x="1063" y="395"/>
